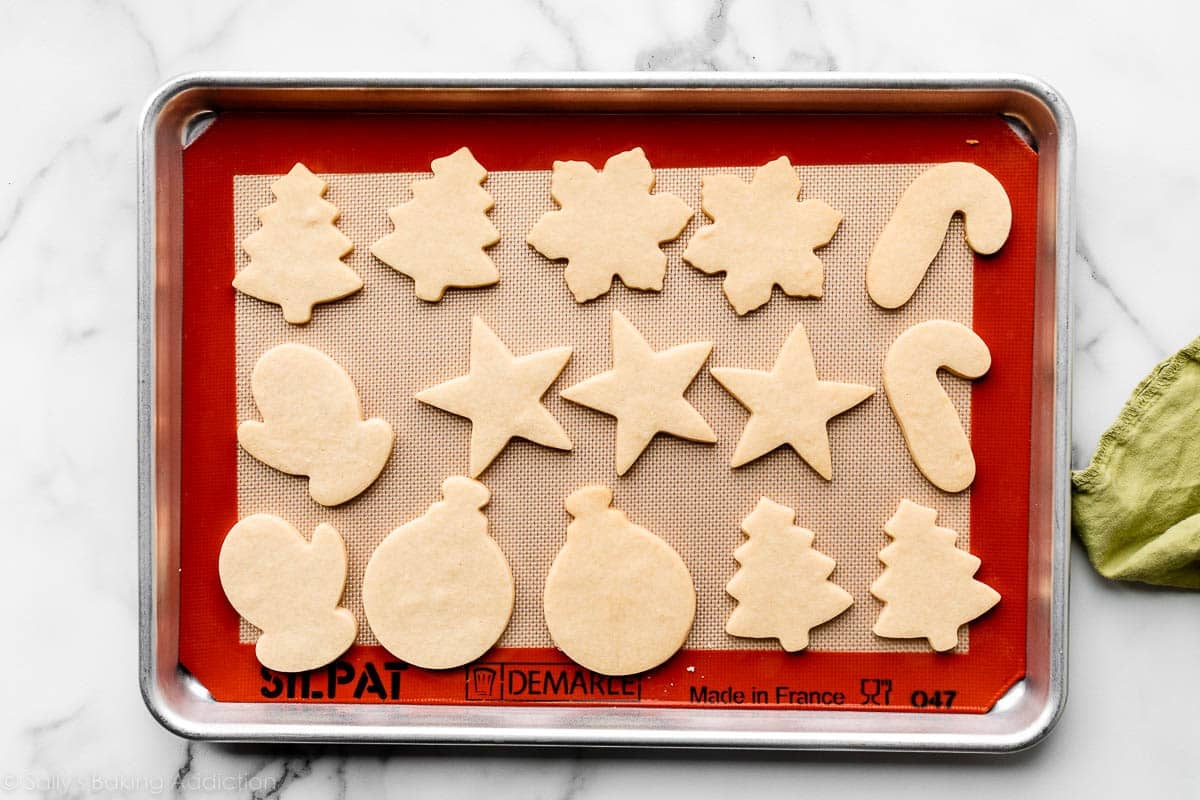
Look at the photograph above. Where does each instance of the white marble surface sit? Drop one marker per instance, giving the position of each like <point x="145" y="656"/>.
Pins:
<point x="73" y="77"/>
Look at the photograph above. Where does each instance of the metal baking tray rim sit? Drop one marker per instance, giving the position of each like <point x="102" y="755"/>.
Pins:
<point x="1020" y="719"/>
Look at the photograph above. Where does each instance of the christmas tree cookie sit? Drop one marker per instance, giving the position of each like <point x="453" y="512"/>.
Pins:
<point x="934" y="435"/>
<point x="618" y="599"/>
<point x="296" y="256"/>
<point x="927" y="585"/>
<point x="783" y="588"/>
<point x="761" y="236"/>
<point x="789" y="405"/>
<point x="438" y="591"/>
<point x="644" y="391"/>
<point x="440" y="234"/>
<point x="914" y="234"/>
<point x="289" y="589"/>
<point x="609" y="224"/>
<point x="313" y="424"/>
<point x="501" y="395"/>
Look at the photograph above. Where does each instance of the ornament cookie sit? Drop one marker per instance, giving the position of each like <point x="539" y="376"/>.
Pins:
<point x="927" y="418"/>
<point x="644" y="391"/>
<point x="914" y="234"/>
<point x="441" y="233"/>
<point x="789" y="405"/>
<point x="927" y="585"/>
<point x="438" y="592"/>
<point x="296" y="256"/>
<point x="783" y="588"/>
<point x="609" y="224"/>
<point x="313" y="424"/>
<point x="289" y="589"/>
<point x="618" y="599"/>
<point x="761" y="236"/>
<point x="502" y="396"/>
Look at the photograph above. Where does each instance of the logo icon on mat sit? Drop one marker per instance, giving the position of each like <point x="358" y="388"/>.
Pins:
<point x="873" y="688"/>
<point x="482" y="683"/>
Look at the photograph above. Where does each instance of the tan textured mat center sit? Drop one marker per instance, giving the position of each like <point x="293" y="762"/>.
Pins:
<point x="393" y="344"/>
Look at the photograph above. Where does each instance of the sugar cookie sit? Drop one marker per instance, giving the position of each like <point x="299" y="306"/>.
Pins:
<point x="927" y="586"/>
<point x="927" y="418"/>
<point x="913" y="236"/>
<point x="644" y="391"/>
<point x="438" y="591"/>
<point x="313" y="424"/>
<point x="440" y="234"/>
<point x="609" y="224"/>
<point x="783" y="588"/>
<point x="296" y="256"/>
<point x="502" y="396"/>
<point x="289" y="589"/>
<point x="618" y="599"/>
<point x="761" y="236"/>
<point x="789" y="405"/>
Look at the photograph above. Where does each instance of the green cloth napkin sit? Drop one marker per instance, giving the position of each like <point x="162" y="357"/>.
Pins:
<point x="1137" y="505"/>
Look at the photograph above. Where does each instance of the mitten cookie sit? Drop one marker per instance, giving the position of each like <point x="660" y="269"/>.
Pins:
<point x="289" y="589"/>
<point x="312" y="424"/>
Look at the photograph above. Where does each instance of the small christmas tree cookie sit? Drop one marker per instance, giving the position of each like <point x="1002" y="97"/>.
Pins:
<point x="440" y="234"/>
<point x="927" y="586"/>
<point x="761" y="236"/>
<point x="783" y="588"/>
<point x="296" y="256"/>
<point x="438" y="591"/>
<point x="618" y="599"/>
<point x="289" y="589"/>
<point x="609" y="224"/>
<point x="313" y="424"/>
<point x="644" y="391"/>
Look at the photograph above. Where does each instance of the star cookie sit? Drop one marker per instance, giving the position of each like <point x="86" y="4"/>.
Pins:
<point x="788" y="405"/>
<point x="644" y="391"/>
<point x="501" y="395"/>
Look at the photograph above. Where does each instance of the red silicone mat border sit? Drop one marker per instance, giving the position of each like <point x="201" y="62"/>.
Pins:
<point x="249" y="143"/>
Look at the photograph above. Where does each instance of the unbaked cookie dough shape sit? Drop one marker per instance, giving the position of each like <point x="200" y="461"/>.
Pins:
<point x="618" y="599"/>
<point x="441" y="233"/>
<point x="502" y="396"/>
<point x="927" y="585"/>
<point x="783" y="588"/>
<point x="644" y="391"/>
<point x="438" y="591"/>
<point x="296" y="256"/>
<point x="914" y="234"/>
<point x="761" y="236"/>
<point x="609" y="224"/>
<point x="930" y="424"/>
<point x="789" y="405"/>
<point x="313" y="424"/>
<point x="290" y="590"/>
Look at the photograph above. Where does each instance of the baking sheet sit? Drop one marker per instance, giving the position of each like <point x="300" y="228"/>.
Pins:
<point x="175" y="261"/>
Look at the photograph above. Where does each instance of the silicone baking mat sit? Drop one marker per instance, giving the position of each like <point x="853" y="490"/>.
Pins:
<point x="393" y="344"/>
